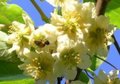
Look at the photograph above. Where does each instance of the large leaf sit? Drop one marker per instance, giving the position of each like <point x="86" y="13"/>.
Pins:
<point x="9" y="13"/>
<point x="113" y="11"/>
<point x="21" y="81"/>
<point x="9" y="68"/>
<point x="83" y="77"/>
<point x="17" y="79"/>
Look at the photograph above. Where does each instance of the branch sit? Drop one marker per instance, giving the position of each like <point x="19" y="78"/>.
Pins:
<point x="116" y="44"/>
<point x="42" y="14"/>
<point x="101" y="6"/>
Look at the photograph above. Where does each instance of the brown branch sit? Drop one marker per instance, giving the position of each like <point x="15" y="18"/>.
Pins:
<point x="42" y="14"/>
<point x="101" y="6"/>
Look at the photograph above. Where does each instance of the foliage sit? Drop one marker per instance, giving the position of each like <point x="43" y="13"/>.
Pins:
<point x="9" y="13"/>
<point x="16" y="79"/>
<point x="113" y="11"/>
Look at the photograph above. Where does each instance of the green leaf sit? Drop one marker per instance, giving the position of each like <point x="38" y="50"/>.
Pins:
<point x="83" y="77"/>
<point x="17" y="79"/>
<point x="11" y="74"/>
<point x="9" y="13"/>
<point x="3" y="0"/>
<point x="113" y="12"/>
<point x="9" y="68"/>
<point x="22" y="81"/>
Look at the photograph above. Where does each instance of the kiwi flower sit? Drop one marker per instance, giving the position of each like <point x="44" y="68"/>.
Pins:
<point x="71" y="55"/>
<point x="19" y="35"/>
<point x="39" y="66"/>
<point x="44" y="38"/>
<point x="98" y="36"/>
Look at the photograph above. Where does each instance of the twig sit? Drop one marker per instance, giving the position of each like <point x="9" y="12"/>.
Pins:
<point x="107" y="62"/>
<point x="116" y="44"/>
<point x="101" y="6"/>
<point x="43" y="16"/>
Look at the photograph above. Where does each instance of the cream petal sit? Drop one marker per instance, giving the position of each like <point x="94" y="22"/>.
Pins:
<point x="85" y="62"/>
<point x="70" y="73"/>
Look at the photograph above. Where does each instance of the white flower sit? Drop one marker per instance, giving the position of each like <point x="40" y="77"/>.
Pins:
<point x="49" y="31"/>
<point x="44" y="38"/>
<point x="61" y="70"/>
<point x="74" y="17"/>
<point x="98" y="35"/>
<point x="39" y="66"/>
<point x="72" y="54"/>
<point x="63" y="42"/>
<point x="72" y="50"/>
<point x="112" y="78"/>
<point x="20" y="34"/>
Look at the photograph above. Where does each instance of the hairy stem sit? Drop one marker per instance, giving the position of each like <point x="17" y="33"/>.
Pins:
<point x="42" y="14"/>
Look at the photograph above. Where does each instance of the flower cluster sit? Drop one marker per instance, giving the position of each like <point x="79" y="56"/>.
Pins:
<point x="56" y="49"/>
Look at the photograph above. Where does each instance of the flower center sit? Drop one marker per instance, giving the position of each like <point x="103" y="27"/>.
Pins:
<point x="70" y="57"/>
